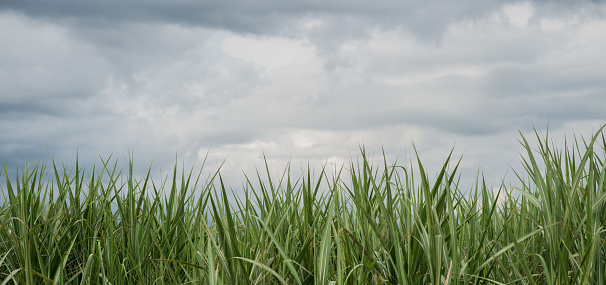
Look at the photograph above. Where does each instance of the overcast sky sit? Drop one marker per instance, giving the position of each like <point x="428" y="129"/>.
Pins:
<point x="297" y="81"/>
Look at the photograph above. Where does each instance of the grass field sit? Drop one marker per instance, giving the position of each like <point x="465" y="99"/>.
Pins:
<point x="373" y="223"/>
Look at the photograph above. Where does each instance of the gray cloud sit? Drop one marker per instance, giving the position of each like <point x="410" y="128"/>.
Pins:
<point x="342" y="19"/>
<point x="158" y="78"/>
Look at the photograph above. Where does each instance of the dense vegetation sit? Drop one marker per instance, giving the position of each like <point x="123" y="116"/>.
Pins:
<point x="371" y="223"/>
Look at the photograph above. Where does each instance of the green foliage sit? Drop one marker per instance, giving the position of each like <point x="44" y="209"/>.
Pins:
<point x="367" y="224"/>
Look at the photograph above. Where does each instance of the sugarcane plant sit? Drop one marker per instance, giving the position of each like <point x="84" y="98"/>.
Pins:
<point x="367" y="222"/>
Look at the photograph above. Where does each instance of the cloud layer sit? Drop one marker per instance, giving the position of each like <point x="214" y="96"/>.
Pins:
<point x="299" y="82"/>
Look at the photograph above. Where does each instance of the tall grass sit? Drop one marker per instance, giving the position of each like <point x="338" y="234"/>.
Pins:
<point x="388" y="224"/>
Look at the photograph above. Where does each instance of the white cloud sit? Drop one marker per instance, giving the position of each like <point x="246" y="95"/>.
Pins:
<point x="269" y="52"/>
<point x="518" y="14"/>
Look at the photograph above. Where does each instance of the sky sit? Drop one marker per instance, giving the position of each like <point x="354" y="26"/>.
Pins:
<point x="305" y="82"/>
